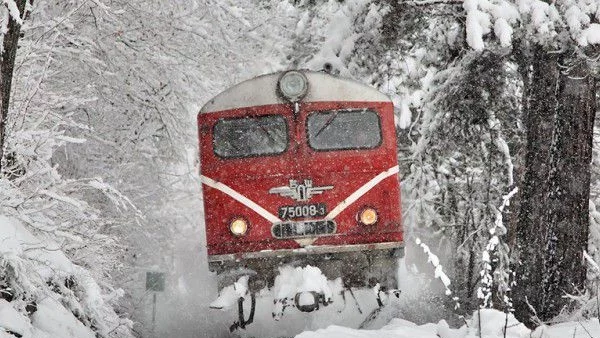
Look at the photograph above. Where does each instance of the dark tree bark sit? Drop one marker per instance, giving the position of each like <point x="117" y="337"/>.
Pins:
<point x="567" y="216"/>
<point x="7" y="66"/>
<point x="540" y="74"/>
<point x="552" y="230"/>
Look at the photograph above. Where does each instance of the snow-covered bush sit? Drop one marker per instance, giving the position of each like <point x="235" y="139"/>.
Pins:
<point x="43" y="294"/>
<point x="56" y="254"/>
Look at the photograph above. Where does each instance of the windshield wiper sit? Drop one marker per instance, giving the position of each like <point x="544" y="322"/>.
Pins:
<point x="267" y="132"/>
<point x="327" y="123"/>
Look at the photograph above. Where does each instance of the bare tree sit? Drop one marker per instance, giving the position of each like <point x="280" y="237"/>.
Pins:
<point x="16" y="14"/>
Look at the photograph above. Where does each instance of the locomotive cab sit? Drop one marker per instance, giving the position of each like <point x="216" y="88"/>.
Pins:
<point x="301" y="168"/>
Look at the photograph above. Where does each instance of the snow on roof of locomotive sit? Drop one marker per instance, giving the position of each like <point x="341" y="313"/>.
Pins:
<point x="262" y="90"/>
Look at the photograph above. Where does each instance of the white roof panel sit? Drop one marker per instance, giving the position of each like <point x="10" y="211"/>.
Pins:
<point x="262" y="90"/>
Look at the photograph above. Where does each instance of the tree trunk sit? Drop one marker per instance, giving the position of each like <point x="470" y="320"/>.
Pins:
<point x="553" y="218"/>
<point x="7" y="66"/>
<point x="568" y="214"/>
<point x="540" y="75"/>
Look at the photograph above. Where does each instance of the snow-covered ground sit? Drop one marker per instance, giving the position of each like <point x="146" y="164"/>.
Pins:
<point x="494" y="324"/>
<point x="340" y="320"/>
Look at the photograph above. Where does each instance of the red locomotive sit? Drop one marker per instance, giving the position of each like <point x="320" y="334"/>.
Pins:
<point x="301" y="167"/>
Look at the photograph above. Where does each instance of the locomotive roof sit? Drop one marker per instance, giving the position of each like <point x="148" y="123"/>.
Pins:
<point x="262" y="90"/>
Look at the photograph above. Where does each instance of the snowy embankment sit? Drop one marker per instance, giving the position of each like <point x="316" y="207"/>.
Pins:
<point x="494" y="324"/>
<point x="43" y="294"/>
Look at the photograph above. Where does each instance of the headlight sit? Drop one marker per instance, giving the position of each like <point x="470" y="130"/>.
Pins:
<point x="238" y="227"/>
<point x="368" y="216"/>
<point x="293" y="85"/>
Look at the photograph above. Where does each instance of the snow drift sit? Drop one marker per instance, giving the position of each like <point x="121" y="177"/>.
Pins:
<point x="486" y="323"/>
<point x="43" y="294"/>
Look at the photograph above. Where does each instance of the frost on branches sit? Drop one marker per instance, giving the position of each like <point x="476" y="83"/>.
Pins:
<point x="499" y="276"/>
<point x="43" y="294"/>
<point x="55" y="252"/>
<point x="541" y="21"/>
<point x="54" y="256"/>
<point x="554" y="46"/>
<point x="438" y="270"/>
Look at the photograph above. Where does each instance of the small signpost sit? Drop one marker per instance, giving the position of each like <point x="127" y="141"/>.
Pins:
<point x="155" y="282"/>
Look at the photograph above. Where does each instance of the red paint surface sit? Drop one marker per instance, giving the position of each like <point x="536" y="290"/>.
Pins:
<point x="346" y="170"/>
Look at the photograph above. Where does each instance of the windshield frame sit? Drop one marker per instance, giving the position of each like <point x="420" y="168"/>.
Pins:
<point x="337" y="112"/>
<point x="287" y="135"/>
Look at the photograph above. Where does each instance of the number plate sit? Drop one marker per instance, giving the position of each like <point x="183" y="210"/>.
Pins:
<point x="303" y="229"/>
<point x="302" y="211"/>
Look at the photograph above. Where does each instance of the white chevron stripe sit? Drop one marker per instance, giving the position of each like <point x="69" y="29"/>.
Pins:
<point x="240" y="198"/>
<point x="273" y="219"/>
<point x="361" y="191"/>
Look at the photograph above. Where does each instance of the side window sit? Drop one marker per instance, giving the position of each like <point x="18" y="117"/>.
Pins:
<point x="250" y="136"/>
<point x="344" y="129"/>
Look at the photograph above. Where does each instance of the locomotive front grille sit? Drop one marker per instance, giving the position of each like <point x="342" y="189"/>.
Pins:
<point x="301" y="229"/>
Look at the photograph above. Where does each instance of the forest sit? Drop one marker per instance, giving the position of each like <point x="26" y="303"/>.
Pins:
<point x="495" y="103"/>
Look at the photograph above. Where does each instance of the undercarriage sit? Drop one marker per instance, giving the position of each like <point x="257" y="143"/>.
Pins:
<point x="361" y="265"/>
<point x="372" y="266"/>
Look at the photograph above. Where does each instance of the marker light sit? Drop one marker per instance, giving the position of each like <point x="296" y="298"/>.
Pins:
<point x="238" y="227"/>
<point x="368" y="216"/>
<point x="293" y="85"/>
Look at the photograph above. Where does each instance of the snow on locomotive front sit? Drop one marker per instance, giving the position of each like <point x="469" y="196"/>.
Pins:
<point x="301" y="168"/>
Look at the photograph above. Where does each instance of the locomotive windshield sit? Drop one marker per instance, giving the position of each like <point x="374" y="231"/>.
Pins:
<point x="250" y="136"/>
<point x="344" y="129"/>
